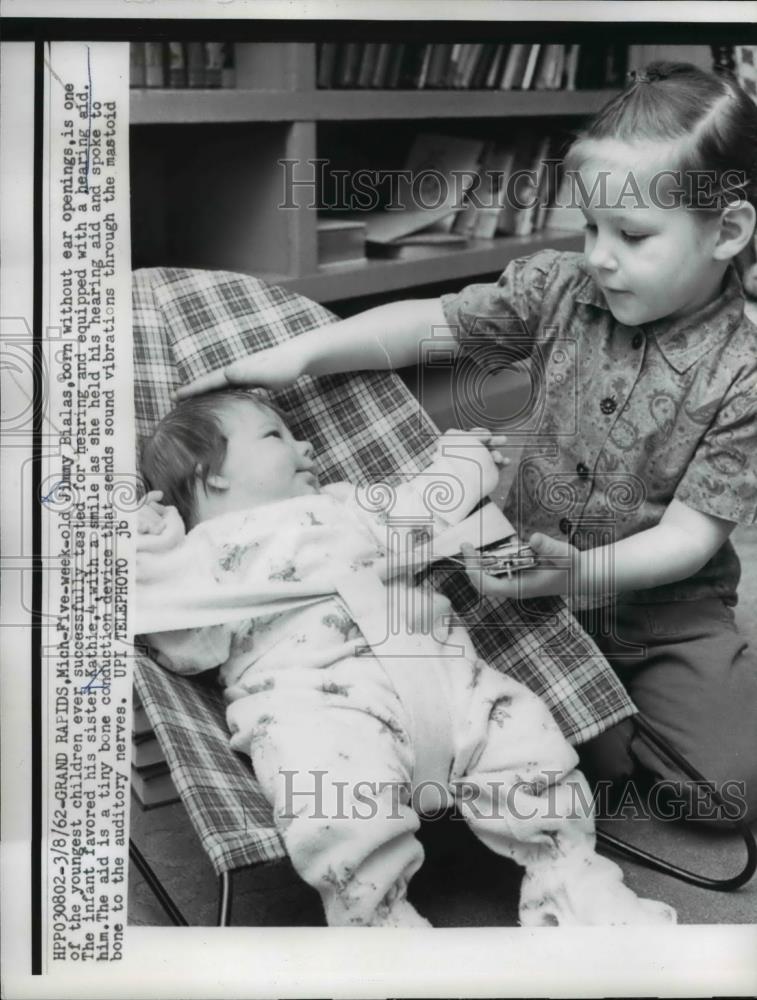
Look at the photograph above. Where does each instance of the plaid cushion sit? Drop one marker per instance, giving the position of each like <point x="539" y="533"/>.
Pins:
<point x="230" y="814"/>
<point x="363" y="427"/>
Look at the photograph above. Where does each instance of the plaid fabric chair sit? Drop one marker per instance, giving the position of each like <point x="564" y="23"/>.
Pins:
<point x="363" y="427"/>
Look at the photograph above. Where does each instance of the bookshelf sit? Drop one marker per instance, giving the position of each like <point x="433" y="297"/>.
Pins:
<point x="165" y="107"/>
<point x="206" y="181"/>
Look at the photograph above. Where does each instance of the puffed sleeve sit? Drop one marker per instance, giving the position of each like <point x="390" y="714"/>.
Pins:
<point x="507" y="312"/>
<point x="443" y="494"/>
<point x="721" y="478"/>
<point x="191" y="650"/>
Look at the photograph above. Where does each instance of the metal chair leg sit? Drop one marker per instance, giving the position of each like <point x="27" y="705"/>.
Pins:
<point x="144" y="868"/>
<point x="658" y="864"/>
<point x="224" y="899"/>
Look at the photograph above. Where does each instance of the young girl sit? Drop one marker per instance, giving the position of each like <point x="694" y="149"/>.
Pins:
<point x="646" y="367"/>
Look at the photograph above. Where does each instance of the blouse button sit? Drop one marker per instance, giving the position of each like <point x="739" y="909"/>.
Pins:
<point x="637" y="341"/>
<point x="608" y="405"/>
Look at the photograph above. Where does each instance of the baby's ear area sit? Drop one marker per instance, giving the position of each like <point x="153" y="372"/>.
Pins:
<point x="218" y="482"/>
<point x="215" y="481"/>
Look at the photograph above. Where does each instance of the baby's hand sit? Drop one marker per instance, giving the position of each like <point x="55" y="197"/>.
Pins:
<point x="159" y="528"/>
<point x="151" y="515"/>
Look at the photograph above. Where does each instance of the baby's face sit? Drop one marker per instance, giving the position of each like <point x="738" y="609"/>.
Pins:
<point x="263" y="463"/>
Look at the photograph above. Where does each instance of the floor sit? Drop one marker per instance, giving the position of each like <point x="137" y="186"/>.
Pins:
<point x="462" y="883"/>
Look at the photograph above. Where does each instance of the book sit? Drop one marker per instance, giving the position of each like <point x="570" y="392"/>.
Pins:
<point x="532" y="190"/>
<point x="137" y="64"/>
<point x="559" y="73"/>
<point x="382" y="64"/>
<point x="497" y="169"/>
<point x="481" y="71"/>
<point x="340" y="240"/>
<point x="418" y="244"/>
<point x="516" y="188"/>
<point x="157" y="790"/>
<point x="328" y="53"/>
<point x="422" y="78"/>
<point x="437" y="70"/>
<point x="442" y="168"/>
<point x="495" y="70"/>
<point x="176" y="64"/>
<point x="468" y="68"/>
<point x="615" y="65"/>
<point x="410" y="68"/>
<point x="147" y="754"/>
<point x="195" y="64"/>
<point x="515" y="66"/>
<point x="466" y="51"/>
<point x="154" y="69"/>
<point x="141" y="729"/>
<point x="452" y="75"/>
<point x="397" y="54"/>
<point x="548" y="180"/>
<point x="349" y="64"/>
<point x="571" y="65"/>
<point x="549" y="68"/>
<point x="367" y="65"/>
<point x="530" y="68"/>
<point x="229" y="68"/>
<point x="214" y="58"/>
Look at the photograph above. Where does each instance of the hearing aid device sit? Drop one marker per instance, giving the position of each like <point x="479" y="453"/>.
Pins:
<point x="501" y="558"/>
<point x="506" y="558"/>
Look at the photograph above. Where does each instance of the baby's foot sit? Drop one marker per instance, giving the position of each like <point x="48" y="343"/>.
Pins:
<point x="589" y="894"/>
<point x="400" y="914"/>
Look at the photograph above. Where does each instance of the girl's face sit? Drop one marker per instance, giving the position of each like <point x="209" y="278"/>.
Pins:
<point x="650" y="261"/>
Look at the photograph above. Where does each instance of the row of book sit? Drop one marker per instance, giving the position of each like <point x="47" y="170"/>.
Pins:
<point x="151" y="781"/>
<point x="470" y="66"/>
<point x="208" y="65"/>
<point x="459" y="189"/>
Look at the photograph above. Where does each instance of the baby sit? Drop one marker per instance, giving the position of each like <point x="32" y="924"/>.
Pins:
<point x="359" y="705"/>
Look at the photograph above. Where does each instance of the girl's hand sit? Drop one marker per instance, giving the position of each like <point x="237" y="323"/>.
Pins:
<point x="493" y="442"/>
<point x="274" y="368"/>
<point x="554" y="574"/>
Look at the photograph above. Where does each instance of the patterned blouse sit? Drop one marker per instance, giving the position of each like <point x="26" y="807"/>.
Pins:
<point x="621" y="419"/>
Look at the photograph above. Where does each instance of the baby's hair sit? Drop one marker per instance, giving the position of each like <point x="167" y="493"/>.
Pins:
<point x="708" y="118"/>
<point x="189" y="444"/>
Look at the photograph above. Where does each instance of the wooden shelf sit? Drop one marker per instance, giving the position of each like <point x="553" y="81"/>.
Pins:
<point x="164" y="107"/>
<point x="352" y="280"/>
<point x="207" y="192"/>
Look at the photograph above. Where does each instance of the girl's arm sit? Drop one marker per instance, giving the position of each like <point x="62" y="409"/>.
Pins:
<point x="388" y="336"/>
<point x="675" y="549"/>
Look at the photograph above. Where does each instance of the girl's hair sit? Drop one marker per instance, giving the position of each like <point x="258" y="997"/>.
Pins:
<point x="711" y="121"/>
<point x="189" y="443"/>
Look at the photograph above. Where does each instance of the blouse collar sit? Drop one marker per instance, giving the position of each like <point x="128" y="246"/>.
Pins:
<point x="685" y="339"/>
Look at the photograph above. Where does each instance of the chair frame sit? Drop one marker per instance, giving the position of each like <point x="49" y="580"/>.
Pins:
<point x="167" y="278"/>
